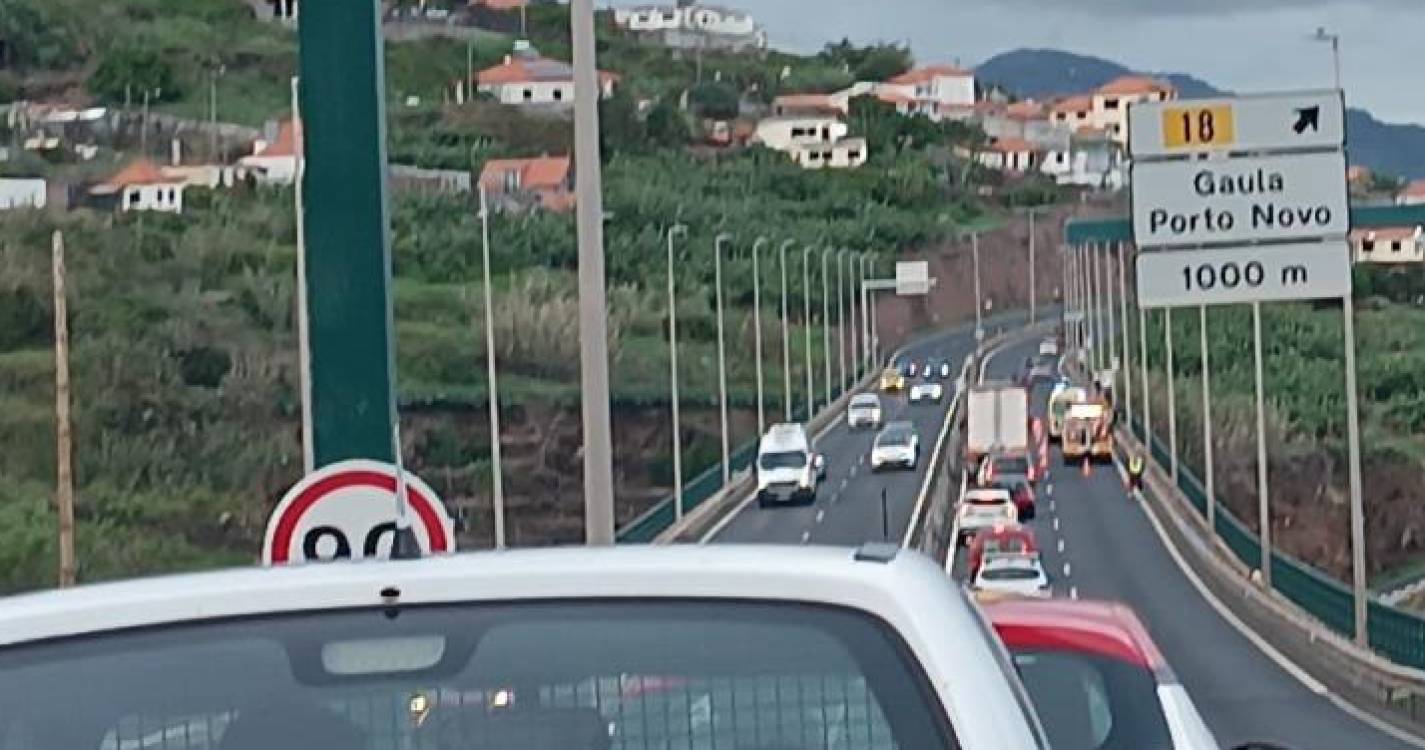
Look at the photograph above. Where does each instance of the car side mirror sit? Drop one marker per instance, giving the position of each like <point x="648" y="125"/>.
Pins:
<point x="818" y="463"/>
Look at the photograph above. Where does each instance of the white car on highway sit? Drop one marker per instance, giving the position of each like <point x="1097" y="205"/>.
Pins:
<point x="984" y="508"/>
<point x="896" y="446"/>
<point x="573" y="648"/>
<point x="864" y="411"/>
<point x="1016" y="573"/>
<point x="927" y="390"/>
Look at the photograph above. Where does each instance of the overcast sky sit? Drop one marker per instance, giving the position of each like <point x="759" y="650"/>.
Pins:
<point x="1240" y="45"/>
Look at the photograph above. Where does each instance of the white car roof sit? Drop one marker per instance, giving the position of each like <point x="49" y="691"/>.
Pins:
<point x="941" y="626"/>
<point x="988" y="493"/>
<point x="784" y="437"/>
<point x="865" y="399"/>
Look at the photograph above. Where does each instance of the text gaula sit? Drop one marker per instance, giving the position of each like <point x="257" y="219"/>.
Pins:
<point x="1266" y="211"/>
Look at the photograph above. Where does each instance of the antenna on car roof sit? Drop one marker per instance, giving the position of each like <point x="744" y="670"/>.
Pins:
<point x="405" y="546"/>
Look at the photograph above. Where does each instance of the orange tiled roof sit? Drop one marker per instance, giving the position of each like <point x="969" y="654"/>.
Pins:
<point x="1416" y="189"/>
<point x="1012" y="146"/>
<point x="930" y="73"/>
<point x="1072" y="104"/>
<point x="1386" y="234"/>
<point x="525" y="69"/>
<point x="139" y="172"/>
<point x="1026" y="110"/>
<point x="289" y="138"/>
<point x="1135" y="85"/>
<point x="541" y="173"/>
<point x="890" y="97"/>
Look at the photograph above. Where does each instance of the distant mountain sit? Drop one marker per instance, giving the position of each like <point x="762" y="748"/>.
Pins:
<point x="1044" y="73"/>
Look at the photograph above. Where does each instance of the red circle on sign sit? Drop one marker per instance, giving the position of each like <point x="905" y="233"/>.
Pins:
<point x="420" y="503"/>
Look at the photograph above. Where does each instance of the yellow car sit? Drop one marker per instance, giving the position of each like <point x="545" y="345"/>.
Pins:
<point x="892" y="380"/>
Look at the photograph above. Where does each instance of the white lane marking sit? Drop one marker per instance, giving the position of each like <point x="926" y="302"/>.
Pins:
<point x="1067" y="570"/>
<point x="844" y="482"/>
<point x="727" y="519"/>
<point x="1049" y="489"/>
<point x="806" y="535"/>
<point x="1061" y="545"/>
<point x="1073" y="592"/>
<point x="1056" y="523"/>
<point x="821" y="514"/>
<point x="1053" y="505"/>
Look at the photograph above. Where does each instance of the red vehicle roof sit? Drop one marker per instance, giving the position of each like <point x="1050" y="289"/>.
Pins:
<point x="1099" y="628"/>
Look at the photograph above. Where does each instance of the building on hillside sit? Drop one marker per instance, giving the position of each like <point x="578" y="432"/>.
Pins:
<point x="938" y="90"/>
<point x="844" y="153"/>
<point x="1413" y="194"/>
<point x="1388" y="245"/>
<point x="282" y="10"/>
<point x="526" y="78"/>
<point x="1011" y="155"/>
<point x="22" y="192"/>
<point x="412" y="179"/>
<point x="274" y="162"/>
<point x="789" y="105"/>
<point x="689" y="25"/>
<point x="1090" y="159"/>
<point x="543" y="183"/>
<point x="1106" y="108"/>
<point x="142" y="186"/>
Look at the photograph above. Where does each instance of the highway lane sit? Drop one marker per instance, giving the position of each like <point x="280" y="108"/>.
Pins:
<point x="848" y="507"/>
<point x="1112" y="551"/>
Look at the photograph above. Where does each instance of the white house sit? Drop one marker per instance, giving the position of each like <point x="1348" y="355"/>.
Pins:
<point x="275" y="163"/>
<point x="1012" y="155"/>
<point x="938" y="90"/>
<point x="22" y="193"/>
<point x="1091" y="159"/>
<point x="845" y="153"/>
<point x="525" y="78"/>
<point x="1413" y="194"/>
<point x="783" y="133"/>
<point x="142" y="186"/>
<point x="1107" y="107"/>
<point x="1388" y="245"/>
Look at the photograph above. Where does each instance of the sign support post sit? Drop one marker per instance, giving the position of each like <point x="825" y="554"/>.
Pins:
<point x="1264" y="511"/>
<point x="1353" y="441"/>
<point x="1172" y="394"/>
<point x="1123" y="325"/>
<point x="1210" y="483"/>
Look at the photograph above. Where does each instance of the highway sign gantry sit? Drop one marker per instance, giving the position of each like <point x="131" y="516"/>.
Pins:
<point x="1300" y="120"/>
<point x="348" y="510"/>
<point x="1257" y="198"/>
<point x="1261" y="273"/>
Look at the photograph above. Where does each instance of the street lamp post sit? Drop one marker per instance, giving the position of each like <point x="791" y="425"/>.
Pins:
<point x="841" y="313"/>
<point x="1033" y="287"/>
<point x="675" y="231"/>
<point x="757" y="329"/>
<point x="826" y="319"/>
<point x="722" y="355"/>
<point x="786" y="339"/>
<point x="806" y="327"/>
<point x="497" y="479"/>
<point x="979" y="304"/>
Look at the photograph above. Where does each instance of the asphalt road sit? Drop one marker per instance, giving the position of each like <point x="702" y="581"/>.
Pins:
<point x="848" y="509"/>
<point x="1098" y="544"/>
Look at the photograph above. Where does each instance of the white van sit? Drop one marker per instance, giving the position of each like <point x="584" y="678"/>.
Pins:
<point x="787" y="469"/>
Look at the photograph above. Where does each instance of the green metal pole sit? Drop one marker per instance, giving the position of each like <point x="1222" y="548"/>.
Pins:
<point x="348" y="264"/>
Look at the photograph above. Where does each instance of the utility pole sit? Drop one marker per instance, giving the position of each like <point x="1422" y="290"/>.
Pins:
<point x="593" y="296"/>
<point x="806" y="329"/>
<point x="722" y="357"/>
<point x="757" y="330"/>
<point x="497" y="478"/>
<point x="1033" y="287"/>
<point x="826" y="320"/>
<point x="64" y="487"/>
<point x="304" y="328"/>
<point x="786" y="339"/>
<point x="673" y="231"/>
<point x="979" y="304"/>
<point x="841" y="314"/>
<point x="1123" y="326"/>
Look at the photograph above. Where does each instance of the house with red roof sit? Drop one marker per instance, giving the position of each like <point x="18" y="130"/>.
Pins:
<point x="526" y="78"/>
<point x="937" y="90"/>
<point x="1106" y="108"/>
<point x="1413" y="194"/>
<point x="274" y="162"/>
<point x="1388" y="245"/>
<point x="542" y="183"/>
<point x="142" y="186"/>
<point x="1011" y="155"/>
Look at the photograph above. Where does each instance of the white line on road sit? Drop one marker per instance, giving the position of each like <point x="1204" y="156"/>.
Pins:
<point x="821" y="514"/>
<point x="1056" y="523"/>
<point x="1049" y="489"/>
<point x="1073" y="592"/>
<point x="845" y="482"/>
<point x="853" y="469"/>
<point x="806" y="535"/>
<point x="1061" y="545"/>
<point x="1067" y="570"/>
<point x="1053" y="505"/>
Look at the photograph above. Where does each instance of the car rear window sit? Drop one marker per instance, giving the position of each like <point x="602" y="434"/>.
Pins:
<point x="1009" y="574"/>
<point x="534" y="676"/>
<point x="1090" y="702"/>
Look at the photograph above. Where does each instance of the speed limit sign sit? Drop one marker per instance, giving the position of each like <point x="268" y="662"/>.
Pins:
<point x="348" y="510"/>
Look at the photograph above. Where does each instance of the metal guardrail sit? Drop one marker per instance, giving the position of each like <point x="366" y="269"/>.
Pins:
<point x="1395" y="633"/>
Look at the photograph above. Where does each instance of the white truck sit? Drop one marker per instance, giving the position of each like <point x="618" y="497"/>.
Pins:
<point x="787" y="469"/>
<point x="996" y="422"/>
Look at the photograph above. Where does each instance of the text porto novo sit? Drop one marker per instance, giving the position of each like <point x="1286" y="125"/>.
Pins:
<point x="1269" y="207"/>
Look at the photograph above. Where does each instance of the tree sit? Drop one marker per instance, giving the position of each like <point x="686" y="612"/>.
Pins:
<point x="882" y="63"/>
<point x="134" y="69"/>
<point x="667" y="126"/>
<point x="718" y="101"/>
<point x="619" y="126"/>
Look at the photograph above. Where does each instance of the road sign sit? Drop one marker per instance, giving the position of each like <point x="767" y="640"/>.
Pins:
<point x="912" y="278"/>
<point x="1226" y="201"/>
<point x="1298" y="120"/>
<point x="348" y="510"/>
<point x="1262" y="273"/>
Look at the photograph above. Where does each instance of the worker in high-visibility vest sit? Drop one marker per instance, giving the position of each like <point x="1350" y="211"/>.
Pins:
<point x="1135" y="473"/>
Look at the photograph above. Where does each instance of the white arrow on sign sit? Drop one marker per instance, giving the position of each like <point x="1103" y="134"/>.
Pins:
<point x="1292" y="120"/>
<point x="1263" y="273"/>
<point x="348" y="510"/>
<point x="1226" y="201"/>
